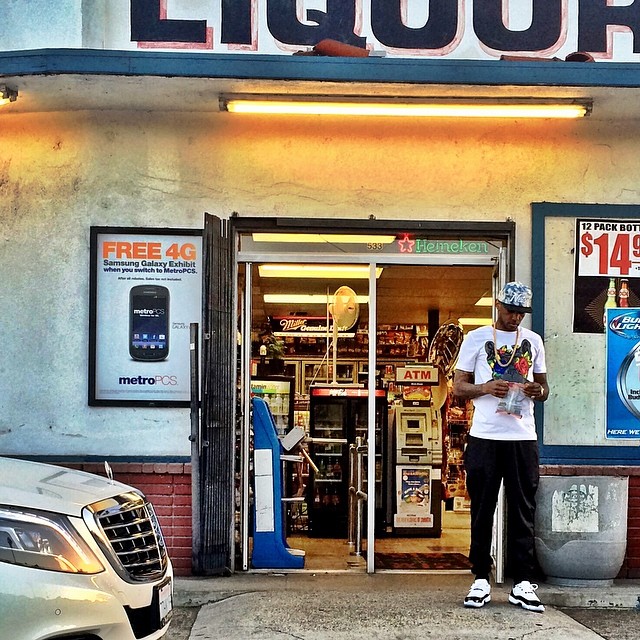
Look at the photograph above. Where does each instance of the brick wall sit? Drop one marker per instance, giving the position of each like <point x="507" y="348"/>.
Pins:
<point x="631" y="566"/>
<point x="632" y="560"/>
<point x="168" y="488"/>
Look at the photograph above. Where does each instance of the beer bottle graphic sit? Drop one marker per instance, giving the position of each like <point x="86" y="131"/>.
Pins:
<point x="610" y="302"/>
<point x="623" y="294"/>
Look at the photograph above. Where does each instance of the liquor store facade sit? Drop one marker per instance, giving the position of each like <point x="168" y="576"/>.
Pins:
<point x="121" y="134"/>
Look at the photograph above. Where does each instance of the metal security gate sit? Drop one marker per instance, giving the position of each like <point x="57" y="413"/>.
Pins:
<point x="213" y="551"/>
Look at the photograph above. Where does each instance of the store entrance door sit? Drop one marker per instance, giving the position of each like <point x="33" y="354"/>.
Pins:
<point x="426" y="509"/>
<point x="332" y="395"/>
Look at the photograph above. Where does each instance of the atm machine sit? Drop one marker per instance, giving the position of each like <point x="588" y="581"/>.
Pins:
<point x="417" y="435"/>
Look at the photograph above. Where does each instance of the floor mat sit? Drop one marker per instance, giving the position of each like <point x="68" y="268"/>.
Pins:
<point x="433" y="561"/>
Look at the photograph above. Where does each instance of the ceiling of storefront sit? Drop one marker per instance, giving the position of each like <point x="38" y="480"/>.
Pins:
<point x="99" y="79"/>
<point x="46" y="93"/>
<point x="406" y="294"/>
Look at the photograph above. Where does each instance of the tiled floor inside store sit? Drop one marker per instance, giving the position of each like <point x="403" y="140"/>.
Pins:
<point x="330" y="554"/>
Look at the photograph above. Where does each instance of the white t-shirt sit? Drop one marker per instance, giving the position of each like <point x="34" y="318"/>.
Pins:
<point x="478" y="355"/>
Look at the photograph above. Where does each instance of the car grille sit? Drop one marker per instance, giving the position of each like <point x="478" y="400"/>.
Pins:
<point x="132" y="536"/>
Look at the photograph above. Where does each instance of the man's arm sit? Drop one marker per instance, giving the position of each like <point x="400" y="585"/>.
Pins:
<point x="465" y="388"/>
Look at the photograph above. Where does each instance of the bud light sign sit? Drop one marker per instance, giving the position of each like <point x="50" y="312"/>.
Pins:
<point x="623" y="373"/>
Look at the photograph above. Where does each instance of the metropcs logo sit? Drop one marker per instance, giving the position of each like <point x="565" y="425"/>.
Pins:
<point x="148" y="381"/>
<point x="626" y="325"/>
<point x="148" y="312"/>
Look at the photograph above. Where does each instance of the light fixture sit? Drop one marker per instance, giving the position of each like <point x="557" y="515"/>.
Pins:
<point x="475" y="322"/>
<point x="485" y="301"/>
<point x="7" y="95"/>
<point x="407" y="107"/>
<point x="328" y="238"/>
<point x="302" y="298"/>
<point x="337" y="271"/>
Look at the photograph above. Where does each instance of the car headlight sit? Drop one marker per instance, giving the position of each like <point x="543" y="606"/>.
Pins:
<point x="44" y="541"/>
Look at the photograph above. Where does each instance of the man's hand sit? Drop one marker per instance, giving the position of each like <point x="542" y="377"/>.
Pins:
<point x="496" y="388"/>
<point x="464" y="387"/>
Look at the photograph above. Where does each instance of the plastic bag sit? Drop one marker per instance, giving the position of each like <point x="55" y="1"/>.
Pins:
<point x="511" y="404"/>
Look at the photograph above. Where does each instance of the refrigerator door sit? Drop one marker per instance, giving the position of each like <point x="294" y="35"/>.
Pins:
<point x="328" y="490"/>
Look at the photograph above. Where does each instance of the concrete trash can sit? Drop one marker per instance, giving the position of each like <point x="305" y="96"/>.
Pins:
<point x="581" y="528"/>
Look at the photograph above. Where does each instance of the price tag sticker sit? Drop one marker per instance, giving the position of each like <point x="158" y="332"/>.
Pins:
<point x="608" y="248"/>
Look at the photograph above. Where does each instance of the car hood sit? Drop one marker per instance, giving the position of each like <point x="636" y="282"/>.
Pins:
<point x="48" y="487"/>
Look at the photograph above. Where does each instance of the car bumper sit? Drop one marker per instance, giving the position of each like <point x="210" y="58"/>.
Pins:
<point x="39" y="605"/>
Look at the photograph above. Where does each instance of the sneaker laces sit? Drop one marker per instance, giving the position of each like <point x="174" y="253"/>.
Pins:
<point x="527" y="591"/>
<point x="528" y="587"/>
<point x="479" y="585"/>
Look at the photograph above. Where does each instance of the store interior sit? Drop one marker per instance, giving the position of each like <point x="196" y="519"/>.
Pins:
<point x="422" y="314"/>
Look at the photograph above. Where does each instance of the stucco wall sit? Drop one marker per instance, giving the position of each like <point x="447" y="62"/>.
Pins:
<point x="60" y="173"/>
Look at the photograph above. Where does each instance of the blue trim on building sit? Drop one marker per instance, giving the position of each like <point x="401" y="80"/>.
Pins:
<point x="374" y="70"/>
<point x="91" y="459"/>
<point x="565" y="454"/>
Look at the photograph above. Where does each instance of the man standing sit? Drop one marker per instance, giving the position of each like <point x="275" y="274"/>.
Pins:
<point x="502" y="369"/>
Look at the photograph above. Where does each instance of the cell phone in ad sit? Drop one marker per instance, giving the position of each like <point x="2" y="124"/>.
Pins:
<point x="149" y="323"/>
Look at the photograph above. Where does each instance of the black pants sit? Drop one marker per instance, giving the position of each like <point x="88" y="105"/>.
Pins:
<point x="487" y="462"/>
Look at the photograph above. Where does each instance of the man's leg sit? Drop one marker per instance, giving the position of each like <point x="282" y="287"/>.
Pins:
<point x="521" y="479"/>
<point x="483" y="485"/>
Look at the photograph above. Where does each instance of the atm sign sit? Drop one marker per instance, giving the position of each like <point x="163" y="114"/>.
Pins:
<point x="417" y="375"/>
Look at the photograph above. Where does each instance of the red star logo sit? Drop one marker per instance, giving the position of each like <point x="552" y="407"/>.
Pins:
<point x="406" y="244"/>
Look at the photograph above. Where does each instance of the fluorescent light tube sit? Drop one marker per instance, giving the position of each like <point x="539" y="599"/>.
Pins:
<point x="411" y="107"/>
<point x="475" y="322"/>
<point x="295" y="298"/>
<point x="353" y="271"/>
<point x="329" y="238"/>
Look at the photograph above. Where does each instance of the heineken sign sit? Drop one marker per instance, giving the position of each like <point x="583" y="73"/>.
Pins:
<point x="469" y="29"/>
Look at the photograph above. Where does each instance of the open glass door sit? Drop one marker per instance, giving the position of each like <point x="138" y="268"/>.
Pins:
<point x="498" y="551"/>
<point x="304" y="339"/>
<point x="426" y="523"/>
<point x="287" y="289"/>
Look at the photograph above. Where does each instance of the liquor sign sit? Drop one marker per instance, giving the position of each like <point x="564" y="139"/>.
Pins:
<point x="623" y="373"/>
<point x="608" y="248"/>
<point x="466" y="29"/>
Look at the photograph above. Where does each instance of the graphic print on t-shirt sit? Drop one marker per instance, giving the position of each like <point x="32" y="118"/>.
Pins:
<point x="505" y="365"/>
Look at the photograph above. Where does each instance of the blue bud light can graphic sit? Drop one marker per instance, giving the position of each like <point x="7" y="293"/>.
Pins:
<point x="623" y="373"/>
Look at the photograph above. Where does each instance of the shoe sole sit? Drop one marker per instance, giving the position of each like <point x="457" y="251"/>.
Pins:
<point x="538" y="608"/>
<point x="477" y="604"/>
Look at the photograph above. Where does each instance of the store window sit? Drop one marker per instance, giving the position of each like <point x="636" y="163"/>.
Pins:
<point x="583" y="259"/>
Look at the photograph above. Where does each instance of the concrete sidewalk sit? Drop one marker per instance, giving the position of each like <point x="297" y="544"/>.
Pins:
<point x="381" y="606"/>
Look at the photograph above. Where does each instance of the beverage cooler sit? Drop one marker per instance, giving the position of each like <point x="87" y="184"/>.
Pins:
<point x="341" y="413"/>
<point x="279" y="393"/>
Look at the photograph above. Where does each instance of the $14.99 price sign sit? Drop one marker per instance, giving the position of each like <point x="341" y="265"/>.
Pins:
<point x="608" y="248"/>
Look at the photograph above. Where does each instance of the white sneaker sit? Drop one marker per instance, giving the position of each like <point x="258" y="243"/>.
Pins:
<point x="479" y="594"/>
<point x="524" y="595"/>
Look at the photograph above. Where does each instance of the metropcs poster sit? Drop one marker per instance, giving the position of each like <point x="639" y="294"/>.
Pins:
<point x="145" y="293"/>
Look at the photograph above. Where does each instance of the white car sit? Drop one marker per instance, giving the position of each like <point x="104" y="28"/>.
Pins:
<point x="82" y="557"/>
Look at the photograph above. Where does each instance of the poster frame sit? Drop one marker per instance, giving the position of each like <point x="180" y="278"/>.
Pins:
<point x="95" y="233"/>
<point x="618" y="452"/>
